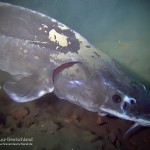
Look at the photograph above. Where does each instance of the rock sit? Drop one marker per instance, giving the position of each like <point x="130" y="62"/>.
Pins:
<point x="19" y="124"/>
<point x="101" y="146"/>
<point x="112" y="137"/>
<point x="59" y="125"/>
<point x="118" y="144"/>
<point x="100" y="120"/>
<point x="19" y="113"/>
<point x="31" y="124"/>
<point x="73" y="119"/>
<point x="10" y="130"/>
<point x="93" y="139"/>
<point x="2" y="118"/>
<point x="10" y="122"/>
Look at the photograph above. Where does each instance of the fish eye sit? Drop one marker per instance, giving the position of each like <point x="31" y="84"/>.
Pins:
<point x="116" y="98"/>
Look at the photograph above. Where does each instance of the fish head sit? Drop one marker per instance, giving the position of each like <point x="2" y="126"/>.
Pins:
<point x="102" y="92"/>
<point x="130" y="102"/>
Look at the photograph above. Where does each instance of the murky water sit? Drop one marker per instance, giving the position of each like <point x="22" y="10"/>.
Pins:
<point x="118" y="27"/>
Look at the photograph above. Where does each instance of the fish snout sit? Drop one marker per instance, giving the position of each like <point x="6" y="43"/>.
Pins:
<point x="138" y="109"/>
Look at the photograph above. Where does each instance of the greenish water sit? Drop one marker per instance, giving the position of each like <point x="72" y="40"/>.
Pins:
<point x="118" y="27"/>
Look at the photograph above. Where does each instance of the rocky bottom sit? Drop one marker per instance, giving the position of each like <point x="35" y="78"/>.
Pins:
<point x="53" y="124"/>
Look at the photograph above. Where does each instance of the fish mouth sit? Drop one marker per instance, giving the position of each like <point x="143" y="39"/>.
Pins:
<point x="140" y="120"/>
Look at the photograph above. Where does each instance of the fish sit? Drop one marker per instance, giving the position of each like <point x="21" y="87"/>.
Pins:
<point x="42" y="56"/>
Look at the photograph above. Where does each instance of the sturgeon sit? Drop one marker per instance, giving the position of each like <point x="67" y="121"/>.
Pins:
<point x="43" y="55"/>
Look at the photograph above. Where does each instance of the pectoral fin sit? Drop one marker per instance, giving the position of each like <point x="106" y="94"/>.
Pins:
<point x="76" y="83"/>
<point x="27" y="89"/>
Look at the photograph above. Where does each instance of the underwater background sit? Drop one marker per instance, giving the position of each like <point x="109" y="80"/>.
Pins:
<point x="121" y="28"/>
<point x="118" y="27"/>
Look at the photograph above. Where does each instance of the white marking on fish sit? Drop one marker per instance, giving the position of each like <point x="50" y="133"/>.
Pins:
<point x="25" y="51"/>
<point x="62" y="27"/>
<point x="58" y="38"/>
<point x="44" y="26"/>
<point x="36" y="57"/>
<point x="53" y="20"/>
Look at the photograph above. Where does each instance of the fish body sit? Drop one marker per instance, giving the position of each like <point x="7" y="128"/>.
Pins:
<point x="43" y="55"/>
